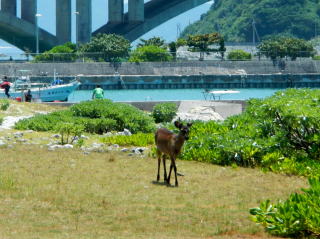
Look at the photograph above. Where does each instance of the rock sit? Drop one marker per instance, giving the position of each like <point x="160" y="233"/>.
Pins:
<point x="2" y="143"/>
<point x="124" y="150"/>
<point x="56" y="136"/>
<point x="97" y="145"/>
<point x="68" y="146"/>
<point x="18" y="134"/>
<point x="84" y="137"/>
<point x="127" y="132"/>
<point x="108" y="134"/>
<point x="21" y="140"/>
<point x="116" y="146"/>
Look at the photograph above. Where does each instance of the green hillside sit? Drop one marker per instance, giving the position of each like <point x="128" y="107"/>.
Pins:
<point x="233" y="19"/>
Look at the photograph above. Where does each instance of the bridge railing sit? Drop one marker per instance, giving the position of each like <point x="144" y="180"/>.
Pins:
<point x="180" y="56"/>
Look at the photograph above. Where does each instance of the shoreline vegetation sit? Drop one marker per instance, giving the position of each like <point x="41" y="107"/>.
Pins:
<point x="103" y="185"/>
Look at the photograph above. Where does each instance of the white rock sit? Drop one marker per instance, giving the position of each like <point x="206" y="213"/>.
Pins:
<point x="2" y="143"/>
<point x="68" y="146"/>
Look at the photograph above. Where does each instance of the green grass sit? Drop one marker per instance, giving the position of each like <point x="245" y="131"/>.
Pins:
<point x="67" y="194"/>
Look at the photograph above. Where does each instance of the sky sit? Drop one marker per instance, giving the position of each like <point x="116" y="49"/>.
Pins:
<point x="168" y="30"/>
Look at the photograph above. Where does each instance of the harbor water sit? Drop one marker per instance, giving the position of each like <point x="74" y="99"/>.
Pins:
<point x="170" y="94"/>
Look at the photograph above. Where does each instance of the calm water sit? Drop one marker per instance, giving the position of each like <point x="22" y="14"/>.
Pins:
<point x="169" y="94"/>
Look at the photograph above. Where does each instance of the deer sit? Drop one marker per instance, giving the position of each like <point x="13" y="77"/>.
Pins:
<point x="170" y="144"/>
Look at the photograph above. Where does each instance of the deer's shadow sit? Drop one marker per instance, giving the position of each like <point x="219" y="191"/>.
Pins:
<point x="162" y="183"/>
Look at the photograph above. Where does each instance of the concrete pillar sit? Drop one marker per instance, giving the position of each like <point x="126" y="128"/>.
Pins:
<point x="115" y="11"/>
<point x="9" y="6"/>
<point x="84" y="21"/>
<point x="63" y="20"/>
<point x="28" y="10"/>
<point x="136" y="11"/>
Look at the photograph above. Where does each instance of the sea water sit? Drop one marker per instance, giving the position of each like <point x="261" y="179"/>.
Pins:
<point x="170" y="94"/>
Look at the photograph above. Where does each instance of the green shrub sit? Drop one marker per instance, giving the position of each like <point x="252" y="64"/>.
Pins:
<point x="279" y="133"/>
<point x="164" y="112"/>
<point x="68" y="132"/>
<point x="4" y="104"/>
<point x="125" y="115"/>
<point x="150" y="53"/>
<point x="239" y="55"/>
<point x="139" y="139"/>
<point x="316" y="58"/>
<point x="62" y="53"/>
<point x="96" y="116"/>
<point x="297" y="217"/>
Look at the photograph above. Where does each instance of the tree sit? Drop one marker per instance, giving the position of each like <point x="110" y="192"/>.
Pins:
<point x="281" y="47"/>
<point x="239" y="55"/>
<point x="154" y="41"/>
<point x="108" y="47"/>
<point x="62" y="53"/>
<point x="205" y="42"/>
<point x="149" y="54"/>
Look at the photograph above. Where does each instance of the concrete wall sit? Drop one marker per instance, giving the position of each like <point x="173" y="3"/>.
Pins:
<point x="205" y="68"/>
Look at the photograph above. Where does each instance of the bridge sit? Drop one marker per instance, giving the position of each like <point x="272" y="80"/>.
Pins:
<point x="141" y="17"/>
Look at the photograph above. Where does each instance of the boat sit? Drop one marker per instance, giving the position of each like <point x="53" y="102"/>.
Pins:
<point x="217" y="94"/>
<point x="41" y="92"/>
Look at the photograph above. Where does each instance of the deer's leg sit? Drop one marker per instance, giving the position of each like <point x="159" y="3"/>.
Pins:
<point x="159" y="162"/>
<point x="164" y="168"/>
<point x="170" y="173"/>
<point x="175" y="172"/>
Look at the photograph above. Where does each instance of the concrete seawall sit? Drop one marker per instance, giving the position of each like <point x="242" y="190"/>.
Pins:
<point x="172" y="75"/>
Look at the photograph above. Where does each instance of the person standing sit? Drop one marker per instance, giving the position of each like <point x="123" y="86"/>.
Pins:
<point x="6" y="86"/>
<point x="98" y="93"/>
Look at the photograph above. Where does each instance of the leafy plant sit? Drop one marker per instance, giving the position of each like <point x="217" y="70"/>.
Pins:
<point x="298" y="216"/>
<point x="4" y="104"/>
<point x="239" y="55"/>
<point x="111" y="47"/>
<point x="139" y="139"/>
<point x="96" y="116"/>
<point x="150" y="53"/>
<point x="69" y="132"/>
<point x="62" y="53"/>
<point x="164" y="112"/>
<point x="153" y="41"/>
<point x="204" y="43"/>
<point x="286" y="47"/>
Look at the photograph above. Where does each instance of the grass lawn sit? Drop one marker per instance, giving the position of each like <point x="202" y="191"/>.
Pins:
<point x="69" y="194"/>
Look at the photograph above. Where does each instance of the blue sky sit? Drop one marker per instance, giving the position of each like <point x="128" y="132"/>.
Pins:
<point x="168" y="30"/>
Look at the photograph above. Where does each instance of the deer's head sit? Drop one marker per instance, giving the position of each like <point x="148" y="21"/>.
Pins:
<point x="184" y="129"/>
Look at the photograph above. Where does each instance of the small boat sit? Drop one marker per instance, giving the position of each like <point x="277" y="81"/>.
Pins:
<point x="216" y="94"/>
<point x="41" y="92"/>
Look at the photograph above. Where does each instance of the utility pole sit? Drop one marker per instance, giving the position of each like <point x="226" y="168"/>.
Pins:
<point x="253" y="33"/>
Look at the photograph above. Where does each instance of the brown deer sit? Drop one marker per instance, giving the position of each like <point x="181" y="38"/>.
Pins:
<point x="170" y="144"/>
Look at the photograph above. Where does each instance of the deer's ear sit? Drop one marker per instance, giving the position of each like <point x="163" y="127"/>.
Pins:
<point x="189" y="124"/>
<point x="177" y="124"/>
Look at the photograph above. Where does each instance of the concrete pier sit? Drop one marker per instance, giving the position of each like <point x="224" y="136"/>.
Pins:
<point x="136" y="11"/>
<point x="84" y="29"/>
<point x="63" y="20"/>
<point x="29" y="10"/>
<point x="9" y="6"/>
<point x="115" y="11"/>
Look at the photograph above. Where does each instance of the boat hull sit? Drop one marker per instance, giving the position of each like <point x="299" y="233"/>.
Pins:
<point x="46" y="94"/>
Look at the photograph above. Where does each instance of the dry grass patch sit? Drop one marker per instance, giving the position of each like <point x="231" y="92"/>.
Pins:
<point x="26" y="108"/>
<point x="67" y="194"/>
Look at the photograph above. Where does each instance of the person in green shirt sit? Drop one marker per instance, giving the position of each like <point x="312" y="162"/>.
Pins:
<point x="98" y="93"/>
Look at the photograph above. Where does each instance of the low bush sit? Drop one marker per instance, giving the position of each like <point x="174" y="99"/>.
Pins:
<point x="239" y="55"/>
<point x="297" y="217"/>
<point x="150" y="53"/>
<point x="97" y="116"/>
<point x="316" y="58"/>
<point x="164" y="112"/>
<point x="4" y="104"/>
<point x="139" y="139"/>
<point x="279" y="133"/>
